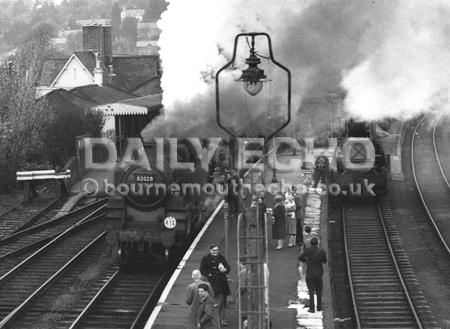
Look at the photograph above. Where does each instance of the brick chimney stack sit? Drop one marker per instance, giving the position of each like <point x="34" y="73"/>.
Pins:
<point x="97" y="38"/>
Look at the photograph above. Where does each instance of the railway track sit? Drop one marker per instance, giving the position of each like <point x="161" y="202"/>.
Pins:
<point x="342" y="297"/>
<point x="75" y="277"/>
<point x="44" y="215"/>
<point x="17" y="247"/>
<point x="121" y="301"/>
<point x="28" y="278"/>
<point x="430" y="178"/>
<point x="20" y="214"/>
<point x="385" y="291"/>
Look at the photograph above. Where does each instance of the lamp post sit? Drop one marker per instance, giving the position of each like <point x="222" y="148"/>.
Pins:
<point x="253" y="78"/>
<point x="254" y="258"/>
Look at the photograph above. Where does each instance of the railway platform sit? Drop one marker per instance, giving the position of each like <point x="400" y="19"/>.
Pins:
<point x="288" y="297"/>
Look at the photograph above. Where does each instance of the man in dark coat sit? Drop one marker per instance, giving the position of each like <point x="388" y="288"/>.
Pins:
<point x="314" y="258"/>
<point x="298" y="215"/>
<point x="193" y="298"/>
<point x="206" y="311"/>
<point x="321" y="170"/>
<point x="215" y="268"/>
<point x="232" y="197"/>
<point x="279" y="224"/>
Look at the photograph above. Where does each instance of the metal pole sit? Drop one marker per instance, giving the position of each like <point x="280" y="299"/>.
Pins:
<point x="238" y="233"/>
<point x="274" y="171"/>
<point x="120" y="135"/>
<point x="226" y="216"/>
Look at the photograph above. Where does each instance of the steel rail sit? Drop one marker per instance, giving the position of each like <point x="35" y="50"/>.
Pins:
<point x="10" y="317"/>
<point x="349" y="272"/>
<point x="36" y="217"/>
<point x="394" y="261"/>
<point x="427" y="209"/>
<point x="93" y="300"/>
<point x="436" y="153"/>
<point x="145" y="305"/>
<point x="85" y="220"/>
<point x="397" y="267"/>
<point x="50" y="222"/>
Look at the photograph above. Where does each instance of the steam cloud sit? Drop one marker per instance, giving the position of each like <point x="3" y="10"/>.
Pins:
<point x="391" y="57"/>
<point x="406" y="62"/>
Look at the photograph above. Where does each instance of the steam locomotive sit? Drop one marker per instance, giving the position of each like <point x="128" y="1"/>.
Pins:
<point x="361" y="162"/>
<point x="162" y="211"/>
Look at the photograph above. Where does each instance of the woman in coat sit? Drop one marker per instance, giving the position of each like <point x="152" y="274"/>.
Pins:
<point x="206" y="312"/>
<point x="291" y="221"/>
<point x="279" y="224"/>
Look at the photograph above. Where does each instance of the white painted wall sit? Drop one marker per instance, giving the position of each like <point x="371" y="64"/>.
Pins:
<point x="73" y="75"/>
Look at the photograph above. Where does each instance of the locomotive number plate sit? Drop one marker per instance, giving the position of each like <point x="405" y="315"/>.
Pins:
<point x="144" y="179"/>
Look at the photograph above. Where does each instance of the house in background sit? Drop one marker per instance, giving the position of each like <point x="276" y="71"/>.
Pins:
<point x="138" y="74"/>
<point x="135" y="13"/>
<point x="148" y="31"/>
<point x="147" y="47"/>
<point x="147" y="38"/>
<point x="126" y="88"/>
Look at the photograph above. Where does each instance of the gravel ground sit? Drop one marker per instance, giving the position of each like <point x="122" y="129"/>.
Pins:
<point x="430" y="263"/>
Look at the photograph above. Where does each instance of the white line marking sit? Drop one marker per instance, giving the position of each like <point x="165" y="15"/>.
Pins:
<point x="180" y="266"/>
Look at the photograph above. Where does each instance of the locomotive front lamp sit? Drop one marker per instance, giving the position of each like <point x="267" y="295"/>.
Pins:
<point x="253" y="77"/>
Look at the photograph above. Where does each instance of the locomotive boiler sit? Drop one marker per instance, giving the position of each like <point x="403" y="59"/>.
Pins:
<point x="162" y="210"/>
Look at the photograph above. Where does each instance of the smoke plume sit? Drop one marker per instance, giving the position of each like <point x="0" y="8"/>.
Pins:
<point x="406" y="62"/>
<point x="390" y="57"/>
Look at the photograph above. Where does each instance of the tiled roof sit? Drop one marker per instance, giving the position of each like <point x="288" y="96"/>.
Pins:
<point x="107" y="99"/>
<point x="50" y="70"/>
<point x="145" y="101"/>
<point x="87" y="58"/>
<point x="132" y="71"/>
<point x="150" y="87"/>
<point x="101" y="94"/>
<point x="62" y="96"/>
<point x="134" y="106"/>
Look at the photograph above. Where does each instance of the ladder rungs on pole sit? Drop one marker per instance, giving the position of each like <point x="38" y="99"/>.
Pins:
<point x="245" y="262"/>
<point x="253" y="287"/>
<point x="253" y="312"/>
<point x="252" y="237"/>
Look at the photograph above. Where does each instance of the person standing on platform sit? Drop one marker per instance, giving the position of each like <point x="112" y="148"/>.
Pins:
<point x="193" y="298"/>
<point x="206" y="317"/>
<point x="289" y="205"/>
<point x="298" y="199"/>
<point x="321" y="170"/>
<point x="314" y="258"/>
<point x="232" y="197"/>
<point x="215" y="268"/>
<point x="279" y="221"/>
<point x="308" y="236"/>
